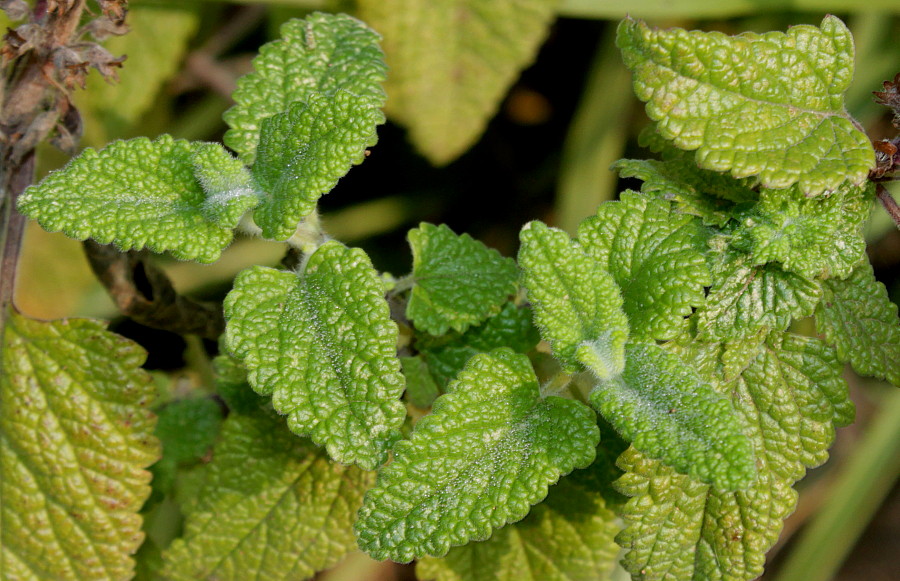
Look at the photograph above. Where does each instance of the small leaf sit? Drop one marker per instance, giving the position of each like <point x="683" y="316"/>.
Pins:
<point x="459" y="281"/>
<point x="270" y="507"/>
<point x="576" y="302"/>
<point x="667" y="411"/>
<point x="813" y="237"/>
<point x="421" y="389"/>
<point x="655" y="256"/>
<point x="141" y="193"/>
<point x="75" y="437"/>
<point x="187" y="429"/>
<point x="859" y="319"/>
<point x="770" y="105"/>
<point x="486" y="453"/>
<point x="325" y="54"/>
<point x="452" y="61"/>
<point x="745" y="299"/>
<point x="304" y="151"/>
<point x="511" y="327"/>
<point x="322" y="344"/>
<point x="568" y="536"/>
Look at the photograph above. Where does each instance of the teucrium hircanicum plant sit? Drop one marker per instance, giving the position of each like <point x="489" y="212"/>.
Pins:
<point x="666" y="325"/>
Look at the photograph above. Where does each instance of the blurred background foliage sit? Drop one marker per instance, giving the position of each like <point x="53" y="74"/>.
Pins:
<point x="538" y="146"/>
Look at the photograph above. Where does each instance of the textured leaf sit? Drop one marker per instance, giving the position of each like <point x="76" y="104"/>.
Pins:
<point x="324" y="54"/>
<point x="187" y="430"/>
<point x="75" y="436"/>
<point x="486" y="453"/>
<point x="706" y="194"/>
<point x="576" y="302"/>
<point x="270" y="507"/>
<point x="421" y="389"/>
<point x="141" y="193"/>
<point x="859" y="319"/>
<point x="303" y="153"/>
<point x="664" y="408"/>
<point x="459" y="281"/>
<point x="813" y="237"/>
<point x="787" y="392"/>
<point x="452" y="61"/>
<point x="655" y="256"/>
<point x="568" y="536"/>
<point x="745" y="299"/>
<point x="769" y="105"/>
<point x="322" y="344"/>
<point x="511" y="327"/>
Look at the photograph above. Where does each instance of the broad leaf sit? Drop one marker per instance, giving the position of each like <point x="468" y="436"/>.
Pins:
<point x="568" y="536"/>
<point x="141" y="193"/>
<point x="576" y="302"/>
<point x="486" y="453"/>
<point x="75" y="437"/>
<point x="667" y="411"/>
<point x="859" y="319"/>
<point x="813" y="237"/>
<point x="322" y="344"/>
<point x="270" y="507"/>
<point x="325" y="54"/>
<point x="788" y="391"/>
<point x="770" y="105"/>
<point x="746" y="298"/>
<point x="459" y="281"/>
<point x="303" y="153"/>
<point x="655" y="256"/>
<point x="452" y="61"/>
<point x="511" y="327"/>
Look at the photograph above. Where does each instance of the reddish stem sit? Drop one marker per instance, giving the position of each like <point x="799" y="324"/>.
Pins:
<point x="889" y="203"/>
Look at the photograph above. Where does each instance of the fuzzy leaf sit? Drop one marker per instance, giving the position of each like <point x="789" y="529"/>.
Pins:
<point x="511" y="327"/>
<point x="745" y="299"/>
<point x="270" y="507"/>
<point x="325" y="54"/>
<point x="787" y="392"/>
<point x="755" y="104"/>
<point x="859" y="319"/>
<point x="664" y="408"/>
<point x="322" y="344"/>
<point x="706" y="194"/>
<point x="452" y="61"/>
<point x="655" y="256"/>
<point x="813" y="237"/>
<point x="303" y="153"/>
<point x="486" y="453"/>
<point x="141" y="193"/>
<point x="568" y="536"/>
<point x="576" y="302"/>
<point x="75" y="437"/>
<point x="459" y="281"/>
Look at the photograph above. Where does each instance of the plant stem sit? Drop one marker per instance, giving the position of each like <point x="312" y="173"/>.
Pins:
<point x="889" y="203"/>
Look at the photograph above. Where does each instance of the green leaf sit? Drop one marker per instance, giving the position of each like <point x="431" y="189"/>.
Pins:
<point x="322" y="344"/>
<point x="859" y="319"/>
<point x="304" y="151"/>
<point x="75" y="437"/>
<point x="568" y="536"/>
<point x="270" y="507"/>
<point x="141" y="193"/>
<point x="813" y="237"/>
<point x="459" y="281"/>
<point x="421" y="389"/>
<point x="187" y="429"/>
<point x="746" y="298"/>
<point x="325" y="54"/>
<point x="709" y="195"/>
<point x="755" y="104"/>
<point x="655" y="256"/>
<point x="664" y="408"/>
<point x="486" y="453"/>
<point x="511" y="327"/>
<point x="452" y="62"/>
<point x="577" y="305"/>
<point x="787" y="392"/>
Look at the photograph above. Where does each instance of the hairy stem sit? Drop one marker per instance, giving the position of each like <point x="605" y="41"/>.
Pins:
<point x="889" y="203"/>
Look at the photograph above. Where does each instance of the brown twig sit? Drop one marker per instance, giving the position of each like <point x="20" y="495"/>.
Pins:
<point x="144" y="292"/>
<point x="889" y="203"/>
